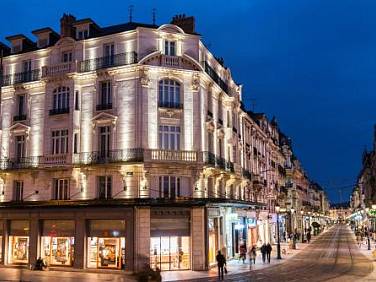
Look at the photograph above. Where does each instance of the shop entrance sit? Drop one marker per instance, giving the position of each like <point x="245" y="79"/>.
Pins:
<point x="213" y="239"/>
<point x="57" y="246"/>
<point x="170" y="252"/>
<point x="19" y="242"/>
<point x="106" y="244"/>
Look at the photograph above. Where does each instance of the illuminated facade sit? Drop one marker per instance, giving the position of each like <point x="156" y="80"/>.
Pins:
<point x="130" y="144"/>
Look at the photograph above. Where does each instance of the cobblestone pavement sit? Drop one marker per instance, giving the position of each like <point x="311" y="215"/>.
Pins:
<point x="333" y="257"/>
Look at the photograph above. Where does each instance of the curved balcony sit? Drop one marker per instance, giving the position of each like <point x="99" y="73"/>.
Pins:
<point x="58" y="69"/>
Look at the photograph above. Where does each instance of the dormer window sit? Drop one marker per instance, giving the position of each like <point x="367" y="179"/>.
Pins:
<point x="16" y="48"/>
<point x="82" y="34"/>
<point x="42" y="42"/>
<point x="170" y="48"/>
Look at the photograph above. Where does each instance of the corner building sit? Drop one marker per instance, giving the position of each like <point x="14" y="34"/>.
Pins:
<point x="125" y="145"/>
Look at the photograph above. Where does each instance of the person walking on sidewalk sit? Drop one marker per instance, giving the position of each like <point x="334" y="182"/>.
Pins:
<point x="263" y="252"/>
<point x="243" y="252"/>
<point x="252" y="256"/>
<point x="221" y="262"/>
<point x="309" y="237"/>
<point x="268" y="251"/>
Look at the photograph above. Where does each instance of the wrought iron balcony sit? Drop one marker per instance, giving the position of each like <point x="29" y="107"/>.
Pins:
<point x="59" y="111"/>
<point x="102" y="107"/>
<point x="108" y="61"/>
<point x="219" y="162"/>
<point x="111" y="156"/>
<point x="170" y="105"/>
<point x="19" y="117"/>
<point x="211" y="72"/>
<point x="58" y="69"/>
<point x="21" y="77"/>
<point x="19" y="163"/>
<point x="54" y="160"/>
<point x="171" y="61"/>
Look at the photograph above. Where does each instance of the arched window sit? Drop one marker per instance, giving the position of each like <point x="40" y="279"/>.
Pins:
<point x="61" y="98"/>
<point x="169" y="94"/>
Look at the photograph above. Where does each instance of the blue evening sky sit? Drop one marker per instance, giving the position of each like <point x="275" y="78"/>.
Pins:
<point x="310" y="63"/>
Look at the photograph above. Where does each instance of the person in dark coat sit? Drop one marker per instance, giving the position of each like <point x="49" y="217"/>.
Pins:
<point x="309" y="236"/>
<point x="221" y="261"/>
<point x="263" y="252"/>
<point x="268" y="251"/>
<point x="243" y="252"/>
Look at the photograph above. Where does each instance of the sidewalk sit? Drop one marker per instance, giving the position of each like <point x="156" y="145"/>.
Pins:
<point x="369" y="254"/>
<point x="235" y="266"/>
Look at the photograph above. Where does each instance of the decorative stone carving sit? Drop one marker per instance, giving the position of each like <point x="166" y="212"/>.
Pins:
<point x="195" y="82"/>
<point x="144" y="76"/>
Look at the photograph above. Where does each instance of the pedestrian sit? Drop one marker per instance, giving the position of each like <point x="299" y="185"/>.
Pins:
<point x="252" y="256"/>
<point x="263" y="252"/>
<point x="268" y="251"/>
<point x="243" y="252"/>
<point x="221" y="262"/>
<point x="309" y="237"/>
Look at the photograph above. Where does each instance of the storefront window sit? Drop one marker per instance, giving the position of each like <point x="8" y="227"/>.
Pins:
<point x="213" y="231"/>
<point x="57" y="246"/>
<point x="19" y="242"/>
<point x="170" y="252"/>
<point x="106" y="244"/>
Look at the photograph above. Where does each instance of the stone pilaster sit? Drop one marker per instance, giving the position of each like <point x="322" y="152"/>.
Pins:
<point x="80" y="243"/>
<point x="198" y="238"/>
<point x="142" y="237"/>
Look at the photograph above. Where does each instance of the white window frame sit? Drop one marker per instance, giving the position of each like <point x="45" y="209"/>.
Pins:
<point x="60" y="189"/>
<point x="20" y="140"/>
<point x="104" y="149"/>
<point x="169" y="93"/>
<point x="60" y="99"/>
<point x="169" y="186"/>
<point x="107" y="181"/>
<point x="59" y="141"/>
<point x="18" y="190"/>
<point x="169" y="137"/>
<point x="170" y="47"/>
<point x="105" y="97"/>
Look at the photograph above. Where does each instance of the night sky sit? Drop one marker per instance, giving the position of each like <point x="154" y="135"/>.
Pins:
<point x="310" y="63"/>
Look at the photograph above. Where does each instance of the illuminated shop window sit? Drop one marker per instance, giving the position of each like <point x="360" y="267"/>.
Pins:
<point x="18" y="249"/>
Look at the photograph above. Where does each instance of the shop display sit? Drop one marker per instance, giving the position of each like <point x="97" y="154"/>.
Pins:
<point x="170" y="252"/>
<point x="58" y="250"/>
<point x="19" y="249"/>
<point x="106" y="252"/>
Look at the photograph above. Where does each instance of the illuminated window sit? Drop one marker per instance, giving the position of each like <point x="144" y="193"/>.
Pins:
<point x="60" y="189"/>
<point x="170" y="48"/>
<point x="105" y="95"/>
<point x="20" y="147"/>
<point x="59" y="142"/>
<point x="169" y="94"/>
<point x="104" y="141"/>
<point x="169" y="137"/>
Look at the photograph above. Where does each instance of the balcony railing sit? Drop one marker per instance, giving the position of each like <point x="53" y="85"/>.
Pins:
<point x="171" y="61"/>
<point x="211" y="159"/>
<point x="211" y="72"/>
<point x="170" y="105"/>
<point x="108" y="61"/>
<point x="19" y="117"/>
<point x="58" y="69"/>
<point x="102" y="107"/>
<point x="171" y="155"/>
<point x="112" y="156"/>
<point x="54" y="160"/>
<point x="59" y="111"/>
<point x="21" y="77"/>
<point x="19" y="163"/>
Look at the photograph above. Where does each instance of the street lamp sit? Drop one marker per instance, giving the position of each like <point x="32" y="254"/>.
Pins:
<point x="277" y="208"/>
<point x="368" y="240"/>
<point x="303" y="225"/>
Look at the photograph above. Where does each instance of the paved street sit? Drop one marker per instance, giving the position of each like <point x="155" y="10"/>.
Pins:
<point x="333" y="257"/>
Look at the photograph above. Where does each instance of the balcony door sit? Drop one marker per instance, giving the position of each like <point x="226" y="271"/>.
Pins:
<point x="104" y="187"/>
<point x="104" y="141"/>
<point x="20" y="147"/>
<point x="26" y="70"/>
<point x="109" y="54"/>
<point x="169" y="137"/>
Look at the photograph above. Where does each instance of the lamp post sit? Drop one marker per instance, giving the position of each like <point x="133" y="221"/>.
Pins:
<point x="368" y="240"/>
<point x="277" y="208"/>
<point x="303" y="225"/>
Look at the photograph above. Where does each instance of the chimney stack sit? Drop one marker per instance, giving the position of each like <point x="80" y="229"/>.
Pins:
<point x="185" y="23"/>
<point x="66" y="25"/>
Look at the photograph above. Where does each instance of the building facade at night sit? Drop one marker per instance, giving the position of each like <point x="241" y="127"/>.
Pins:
<point x="130" y="144"/>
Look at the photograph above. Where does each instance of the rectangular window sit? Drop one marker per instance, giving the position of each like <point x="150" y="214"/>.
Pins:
<point x="82" y="34"/>
<point x="169" y="187"/>
<point x="75" y="143"/>
<point x="61" y="98"/>
<point x="76" y="101"/>
<point x="170" y="48"/>
<point x="105" y="98"/>
<point x="20" y="147"/>
<point x="26" y="66"/>
<point x="59" y="139"/>
<point x="104" y="141"/>
<point x="169" y="137"/>
<point x="60" y="189"/>
<point x="20" y="105"/>
<point x="104" y="187"/>
<point x="108" y="54"/>
<point x="18" y="191"/>
<point x="43" y="42"/>
<point x="67" y="57"/>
